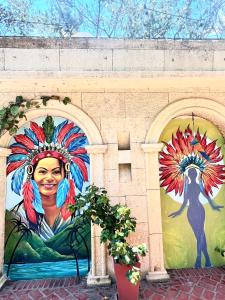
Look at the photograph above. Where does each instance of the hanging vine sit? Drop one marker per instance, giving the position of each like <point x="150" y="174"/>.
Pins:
<point x="10" y="115"/>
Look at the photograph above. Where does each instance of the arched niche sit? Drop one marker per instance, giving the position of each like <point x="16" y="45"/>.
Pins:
<point x="200" y="107"/>
<point x="96" y="149"/>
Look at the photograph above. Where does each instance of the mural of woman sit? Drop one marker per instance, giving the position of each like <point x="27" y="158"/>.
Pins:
<point x="180" y="159"/>
<point x="55" y="161"/>
<point x="196" y="214"/>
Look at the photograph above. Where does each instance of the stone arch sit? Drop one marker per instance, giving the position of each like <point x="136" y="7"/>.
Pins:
<point x="69" y="111"/>
<point x="96" y="150"/>
<point x="201" y="107"/>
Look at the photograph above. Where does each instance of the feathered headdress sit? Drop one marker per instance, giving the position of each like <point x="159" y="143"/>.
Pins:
<point x="190" y="149"/>
<point x="64" y="142"/>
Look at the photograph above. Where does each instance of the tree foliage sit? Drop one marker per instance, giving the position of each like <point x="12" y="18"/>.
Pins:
<point x="190" y="19"/>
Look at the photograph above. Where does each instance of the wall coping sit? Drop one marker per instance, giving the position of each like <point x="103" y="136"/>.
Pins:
<point x="106" y="43"/>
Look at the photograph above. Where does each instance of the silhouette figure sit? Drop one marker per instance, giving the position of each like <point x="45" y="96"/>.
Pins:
<point x="196" y="214"/>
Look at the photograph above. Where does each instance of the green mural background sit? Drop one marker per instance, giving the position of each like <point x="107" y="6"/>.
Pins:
<point x="178" y="238"/>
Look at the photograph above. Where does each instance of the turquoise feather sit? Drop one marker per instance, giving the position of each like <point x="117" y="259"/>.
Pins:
<point x="37" y="203"/>
<point x="62" y="192"/>
<point x="17" y="180"/>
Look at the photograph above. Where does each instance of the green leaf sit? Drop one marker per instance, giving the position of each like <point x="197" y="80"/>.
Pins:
<point x="48" y="126"/>
<point x="19" y="99"/>
<point x="2" y="111"/>
<point x="66" y="100"/>
<point x="12" y="130"/>
<point x="28" y="104"/>
<point x="55" y="97"/>
<point x="45" y="99"/>
<point x="14" y="109"/>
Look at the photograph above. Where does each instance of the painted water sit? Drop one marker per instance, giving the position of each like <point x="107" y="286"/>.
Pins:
<point x="44" y="270"/>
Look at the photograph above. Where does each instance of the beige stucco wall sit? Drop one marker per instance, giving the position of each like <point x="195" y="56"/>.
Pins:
<point x="125" y="88"/>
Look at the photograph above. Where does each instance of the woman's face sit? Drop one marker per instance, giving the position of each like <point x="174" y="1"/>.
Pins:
<point x="47" y="175"/>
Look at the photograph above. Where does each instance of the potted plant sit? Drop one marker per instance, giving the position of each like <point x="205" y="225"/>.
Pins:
<point x="116" y="223"/>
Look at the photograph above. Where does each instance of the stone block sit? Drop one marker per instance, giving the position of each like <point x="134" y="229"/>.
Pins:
<point x="141" y="235"/>
<point x="118" y="200"/>
<point x="136" y="186"/>
<point x="156" y="252"/>
<point x="216" y="96"/>
<point x="75" y="98"/>
<point x="137" y="128"/>
<point x="154" y="211"/>
<point x="138" y="206"/>
<point x="104" y="105"/>
<point x="94" y="281"/>
<point x="144" y="264"/>
<point x="158" y="276"/>
<point x="111" y="157"/>
<point x="85" y="60"/>
<point x="188" y="60"/>
<point x="144" y="104"/>
<point x="137" y="156"/>
<point x="2" y="60"/>
<point x="138" y="59"/>
<point x="5" y="98"/>
<point x="32" y="59"/>
<point x="111" y="129"/>
<point x="219" y="61"/>
<point x="112" y="182"/>
<point x="124" y="156"/>
<point x="152" y="167"/>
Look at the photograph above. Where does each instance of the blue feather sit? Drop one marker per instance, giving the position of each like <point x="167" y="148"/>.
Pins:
<point x="81" y="141"/>
<point x="62" y="191"/>
<point x="17" y="180"/>
<point x="19" y="145"/>
<point x="84" y="157"/>
<point x="29" y="133"/>
<point x="74" y="130"/>
<point x="37" y="203"/>
<point x="57" y="130"/>
<point x="205" y="155"/>
<point x="16" y="157"/>
<point x="77" y="176"/>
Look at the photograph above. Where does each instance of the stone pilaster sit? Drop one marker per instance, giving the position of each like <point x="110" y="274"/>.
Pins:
<point x="98" y="274"/>
<point x="157" y="271"/>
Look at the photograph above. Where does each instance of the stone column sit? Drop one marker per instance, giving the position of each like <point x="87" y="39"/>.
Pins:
<point x="3" y="154"/>
<point x="98" y="274"/>
<point x="157" y="271"/>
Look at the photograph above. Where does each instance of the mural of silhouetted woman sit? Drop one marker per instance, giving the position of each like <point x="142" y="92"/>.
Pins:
<point x="196" y="215"/>
<point x="186" y="156"/>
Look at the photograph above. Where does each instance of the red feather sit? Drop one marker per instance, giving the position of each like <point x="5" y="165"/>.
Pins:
<point x="72" y="138"/>
<point x="79" y="151"/>
<point x="28" y="197"/>
<point x="24" y="140"/>
<point x="79" y="162"/>
<point x="14" y="165"/>
<point x="70" y="199"/>
<point x="66" y="128"/>
<point x="39" y="131"/>
<point x="19" y="150"/>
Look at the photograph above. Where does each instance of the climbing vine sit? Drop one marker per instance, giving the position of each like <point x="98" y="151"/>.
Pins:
<point x="10" y="115"/>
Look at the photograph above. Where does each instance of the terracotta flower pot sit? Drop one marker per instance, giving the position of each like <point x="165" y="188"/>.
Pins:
<point x="126" y="290"/>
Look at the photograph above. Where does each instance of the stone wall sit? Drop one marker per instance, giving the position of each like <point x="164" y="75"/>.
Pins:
<point x="122" y="86"/>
